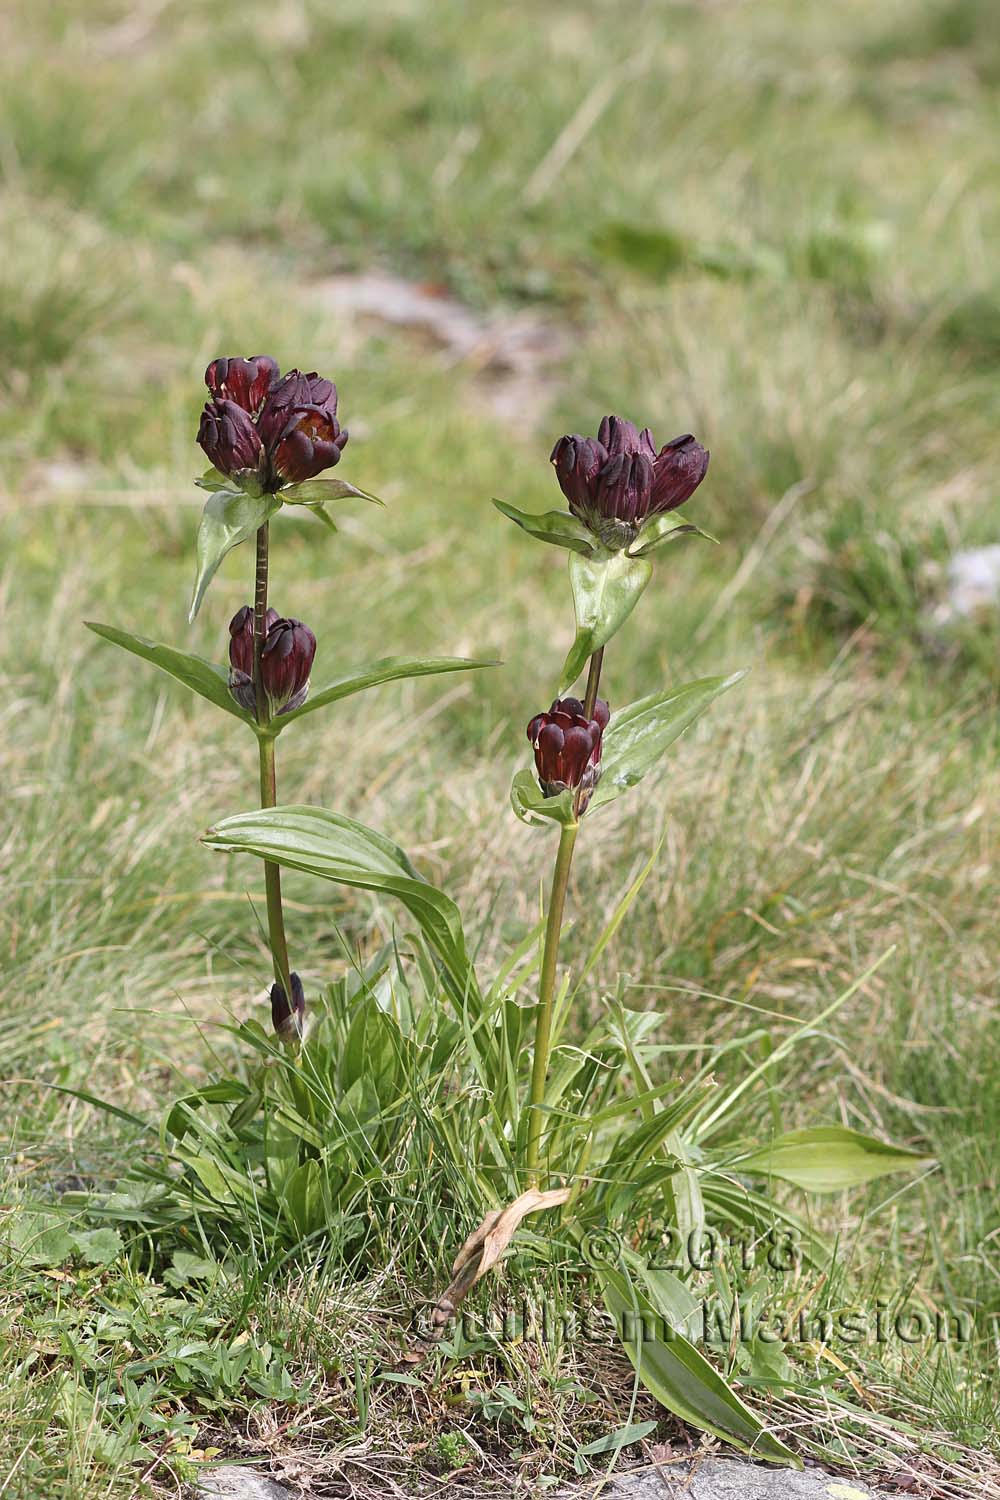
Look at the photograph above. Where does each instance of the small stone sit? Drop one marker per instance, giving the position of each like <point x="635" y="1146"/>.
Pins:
<point x="234" y="1482"/>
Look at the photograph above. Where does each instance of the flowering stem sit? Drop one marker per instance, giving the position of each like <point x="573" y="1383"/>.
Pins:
<point x="546" y="995"/>
<point x="593" y="683"/>
<point x="268" y="777"/>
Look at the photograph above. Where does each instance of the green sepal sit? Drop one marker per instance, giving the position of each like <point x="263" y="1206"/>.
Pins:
<point x="319" y="491"/>
<point x="531" y="804"/>
<point x="229" y="517"/>
<point x="555" y="526"/>
<point x="606" y="588"/>
<point x="213" y="480"/>
<point x="638" y="735"/>
<point x="202" y="677"/>
<point x="664" y="529"/>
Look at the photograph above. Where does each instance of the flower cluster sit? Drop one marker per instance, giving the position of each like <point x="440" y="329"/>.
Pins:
<point x="617" y="481"/>
<point x="265" y="430"/>
<point x="285" y="663"/>
<point x="567" y="747"/>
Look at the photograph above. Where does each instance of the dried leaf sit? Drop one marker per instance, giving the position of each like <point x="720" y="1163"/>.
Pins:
<point x="486" y="1245"/>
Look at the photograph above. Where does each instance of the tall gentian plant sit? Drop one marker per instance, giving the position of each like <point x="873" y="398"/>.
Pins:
<point x="270" y="440"/>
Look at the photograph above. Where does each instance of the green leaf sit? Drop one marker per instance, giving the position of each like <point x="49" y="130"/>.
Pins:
<point x="212" y="480"/>
<point x="639" y="734"/>
<point x="319" y="491"/>
<point x="98" y="1247"/>
<point x="679" y="1376"/>
<point x="606" y="589"/>
<point x="336" y="848"/>
<point x="664" y="529"/>
<point x="202" y="677"/>
<point x="620" y="1439"/>
<point x="532" y="806"/>
<point x="229" y="517"/>
<point x="372" y="674"/>
<point x="555" y="526"/>
<point x="829" y="1158"/>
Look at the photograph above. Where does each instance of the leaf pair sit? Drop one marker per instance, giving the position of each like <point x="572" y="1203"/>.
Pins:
<point x="233" y="515"/>
<point x="606" y="585"/>
<point x="212" y="682"/>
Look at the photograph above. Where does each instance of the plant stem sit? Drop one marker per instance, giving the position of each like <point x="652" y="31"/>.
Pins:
<point x="268" y="773"/>
<point x="546" y="995"/>
<point x="593" y="682"/>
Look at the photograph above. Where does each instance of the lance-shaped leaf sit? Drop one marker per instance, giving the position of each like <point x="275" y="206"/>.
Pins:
<point x="386" y="669"/>
<point x="229" y="517"/>
<point x="202" y="677"/>
<point x="606" y="589"/>
<point x="639" y="734"/>
<point x="661" y="529"/>
<point x="319" y="491"/>
<point x="336" y="848"/>
<point x="679" y="1376"/>
<point x="532" y="806"/>
<point x="829" y="1158"/>
<point x="555" y="526"/>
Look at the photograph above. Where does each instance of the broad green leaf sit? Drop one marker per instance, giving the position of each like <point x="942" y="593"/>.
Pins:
<point x="664" y="529"/>
<point x="679" y="1376"/>
<point x="829" y="1158"/>
<point x="229" y="517"/>
<point x="336" y="848"/>
<point x="532" y="806"/>
<point x="555" y="526"/>
<point x="606" y="589"/>
<point x="387" y="669"/>
<point x="202" y="677"/>
<point x="639" y="734"/>
<point x="319" y="491"/>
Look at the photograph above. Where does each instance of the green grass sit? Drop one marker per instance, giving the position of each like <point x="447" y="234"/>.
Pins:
<point x="776" y="234"/>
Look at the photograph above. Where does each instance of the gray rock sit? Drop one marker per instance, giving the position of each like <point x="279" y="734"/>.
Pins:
<point x="233" y="1482"/>
<point x="734" y="1479"/>
<point x="973" y="586"/>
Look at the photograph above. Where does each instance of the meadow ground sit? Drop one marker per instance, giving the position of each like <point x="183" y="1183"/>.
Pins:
<point x="766" y="223"/>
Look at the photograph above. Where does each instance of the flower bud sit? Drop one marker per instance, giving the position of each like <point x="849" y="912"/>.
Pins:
<point x="243" y="381"/>
<point x="285" y="664"/>
<point x="288" y="1017"/>
<point x="241" y="655"/>
<point x="229" y="438"/>
<point x="617" y="481"/>
<point x="310" y="442"/>
<point x="567" y="747"/>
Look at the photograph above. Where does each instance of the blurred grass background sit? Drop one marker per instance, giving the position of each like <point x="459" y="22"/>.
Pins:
<point x="772" y="225"/>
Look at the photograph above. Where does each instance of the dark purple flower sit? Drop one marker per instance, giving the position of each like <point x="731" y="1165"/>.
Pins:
<point x="245" y="381"/>
<point x="241" y="655"/>
<point x="285" y="664"/>
<point x="288" y="1017"/>
<point x="567" y="747"/>
<point x="311" y="441"/>
<point x="230" y="439"/>
<point x="282" y="430"/>
<point x="616" y="481"/>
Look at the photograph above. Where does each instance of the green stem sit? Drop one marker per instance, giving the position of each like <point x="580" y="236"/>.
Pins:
<point x="268" y="774"/>
<point x="546" y="995"/>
